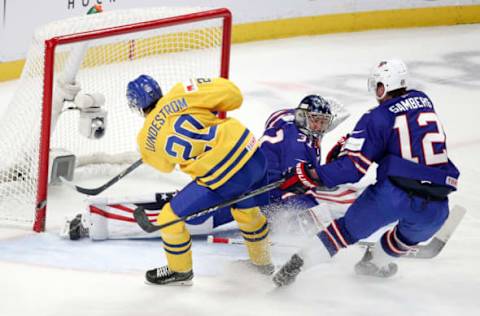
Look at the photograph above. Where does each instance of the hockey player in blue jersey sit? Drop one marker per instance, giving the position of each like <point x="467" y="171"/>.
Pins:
<point x="293" y="135"/>
<point x="404" y="136"/>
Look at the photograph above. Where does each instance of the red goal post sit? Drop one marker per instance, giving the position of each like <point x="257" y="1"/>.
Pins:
<point x="204" y="44"/>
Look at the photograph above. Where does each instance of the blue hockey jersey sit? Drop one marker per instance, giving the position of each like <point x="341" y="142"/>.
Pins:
<point x="284" y="146"/>
<point x="404" y="137"/>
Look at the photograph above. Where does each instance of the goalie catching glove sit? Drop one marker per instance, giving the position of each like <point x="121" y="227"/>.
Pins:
<point x="300" y="179"/>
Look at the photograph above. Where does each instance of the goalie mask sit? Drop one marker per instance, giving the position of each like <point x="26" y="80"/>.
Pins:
<point x="142" y="94"/>
<point x="313" y="116"/>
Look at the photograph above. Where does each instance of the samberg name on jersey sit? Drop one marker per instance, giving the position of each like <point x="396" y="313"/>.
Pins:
<point x="411" y="104"/>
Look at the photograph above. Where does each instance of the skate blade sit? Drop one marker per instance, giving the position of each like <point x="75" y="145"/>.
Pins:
<point x="178" y="283"/>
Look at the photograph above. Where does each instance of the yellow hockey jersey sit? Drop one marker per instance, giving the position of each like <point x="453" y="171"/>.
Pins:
<point x="183" y="129"/>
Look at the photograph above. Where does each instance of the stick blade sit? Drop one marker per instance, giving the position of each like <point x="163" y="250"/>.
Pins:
<point x="428" y="251"/>
<point x="89" y="191"/>
<point x="142" y="220"/>
<point x="455" y="217"/>
<point x="438" y="242"/>
<point x="85" y="191"/>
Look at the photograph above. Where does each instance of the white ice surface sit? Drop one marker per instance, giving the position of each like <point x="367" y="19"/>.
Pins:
<point x="41" y="274"/>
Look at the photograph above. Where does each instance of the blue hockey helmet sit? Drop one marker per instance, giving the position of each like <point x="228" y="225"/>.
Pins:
<point x="313" y="116"/>
<point x="143" y="93"/>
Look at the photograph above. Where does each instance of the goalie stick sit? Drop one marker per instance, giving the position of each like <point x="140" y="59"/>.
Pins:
<point x="142" y="219"/>
<point x="426" y="251"/>
<point x="100" y="189"/>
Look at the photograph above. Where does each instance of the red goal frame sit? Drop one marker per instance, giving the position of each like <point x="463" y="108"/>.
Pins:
<point x="50" y="46"/>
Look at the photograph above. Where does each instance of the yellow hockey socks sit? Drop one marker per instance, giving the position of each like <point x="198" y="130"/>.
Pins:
<point x="176" y="241"/>
<point x="254" y="227"/>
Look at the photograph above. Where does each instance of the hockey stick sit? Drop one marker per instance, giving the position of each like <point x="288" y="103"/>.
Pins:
<point x="100" y="189"/>
<point x="142" y="219"/>
<point x="438" y="242"/>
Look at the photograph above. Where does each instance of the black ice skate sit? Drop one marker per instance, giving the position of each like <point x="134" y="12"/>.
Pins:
<point x="164" y="276"/>
<point x="75" y="229"/>
<point x="289" y="271"/>
<point x="367" y="267"/>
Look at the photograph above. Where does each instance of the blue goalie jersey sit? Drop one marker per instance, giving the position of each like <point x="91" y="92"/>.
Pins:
<point x="404" y="137"/>
<point x="284" y="146"/>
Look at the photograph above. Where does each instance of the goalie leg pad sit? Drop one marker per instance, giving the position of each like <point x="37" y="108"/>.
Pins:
<point x="177" y="241"/>
<point x="254" y="227"/>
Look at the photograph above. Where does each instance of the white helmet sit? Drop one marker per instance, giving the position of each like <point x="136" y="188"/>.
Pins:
<point x="391" y="73"/>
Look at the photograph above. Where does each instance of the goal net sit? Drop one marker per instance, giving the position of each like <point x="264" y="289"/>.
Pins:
<point x="102" y="52"/>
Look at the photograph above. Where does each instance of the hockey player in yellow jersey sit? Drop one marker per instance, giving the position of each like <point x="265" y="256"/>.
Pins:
<point x="221" y="155"/>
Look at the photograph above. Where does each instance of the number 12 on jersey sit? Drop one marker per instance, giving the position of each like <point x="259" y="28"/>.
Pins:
<point x="428" y="139"/>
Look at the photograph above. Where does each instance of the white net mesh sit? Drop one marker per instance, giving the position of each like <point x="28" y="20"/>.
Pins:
<point x="168" y="54"/>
